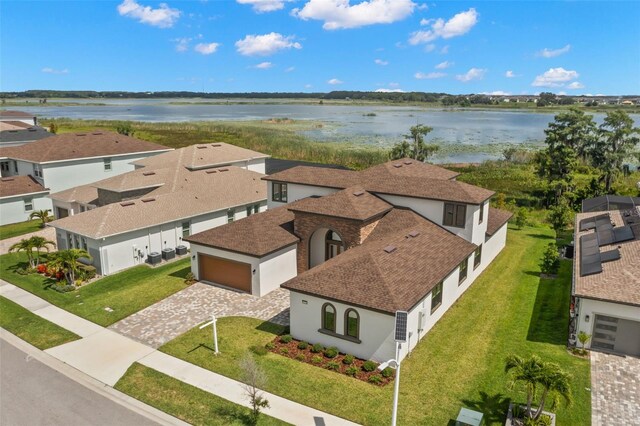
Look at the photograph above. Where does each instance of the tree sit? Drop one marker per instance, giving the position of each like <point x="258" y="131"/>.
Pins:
<point x="39" y="243"/>
<point x="525" y="371"/>
<point x="583" y="338"/>
<point x="43" y="215"/>
<point x="556" y="384"/>
<point x="616" y="141"/>
<point x="560" y="215"/>
<point x="125" y="129"/>
<point x="522" y="216"/>
<point x="53" y="127"/>
<point x="67" y="262"/>
<point x="25" y="246"/>
<point x="413" y="146"/>
<point x="550" y="259"/>
<point x="254" y="379"/>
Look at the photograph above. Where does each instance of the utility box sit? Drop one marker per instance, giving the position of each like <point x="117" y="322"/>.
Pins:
<point x="168" y="253"/>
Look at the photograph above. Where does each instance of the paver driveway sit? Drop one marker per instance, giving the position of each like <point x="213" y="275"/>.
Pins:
<point x="169" y="318"/>
<point x="615" y="390"/>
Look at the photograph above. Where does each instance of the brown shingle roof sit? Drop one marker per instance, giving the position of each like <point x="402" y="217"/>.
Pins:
<point x="70" y="146"/>
<point x="411" y="178"/>
<point x="369" y="276"/>
<point x="497" y="218"/>
<point x="619" y="280"/>
<point x="15" y="114"/>
<point x="257" y="235"/>
<point x="83" y="194"/>
<point x="351" y="203"/>
<point x="14" y="125"/>
<point x="18" y="185"/>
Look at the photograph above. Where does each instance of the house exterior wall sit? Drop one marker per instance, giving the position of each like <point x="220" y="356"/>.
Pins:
<point x="297" y="192"/>
<point x="592" y="308"/>
<point x="256" y="165"/>
<point x="12" y="208"/>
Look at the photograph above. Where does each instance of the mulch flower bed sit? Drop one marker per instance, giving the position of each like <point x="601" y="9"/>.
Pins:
<point x="355" y="369"/>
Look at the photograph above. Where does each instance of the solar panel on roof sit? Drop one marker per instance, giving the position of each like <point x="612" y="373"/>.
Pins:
<point x="590" y="268"/>
<point x="610" y="255"/>
<point x="605" y="237"/>
<point x="401" y="326"/>
<point x="623" y="233"/>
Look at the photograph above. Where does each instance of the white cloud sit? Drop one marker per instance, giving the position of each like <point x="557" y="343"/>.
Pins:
<point x="206" y="48"/>
<point x="510" y="74"/>
<point x="394" y="84"/>
<point x="266" y="44"/>
<point x="263" y="65"/>
<point x="496" y="93"/>
<point x="381" y="62"/>
<point x="430" y="48"/>
<point x="554" y="77"/>
<point x="445" y="49"/>
<point x="562" y="93"/>
<point x="182" y="43"/>
<point x="429" y="76"/>
<point x="308" y="86"/>
<point x="458" y="25"/>
<point x="335" y="81"/>
<point x="162" y="17"/>
<point x="340" y="14"/>
<point x="444" y="65"/>
<point x="471" y="75"/>
<point x="425" y="21"/>
<point x="262" y="6"/>
<point x="575" y="85"/>
<point x="49" y="70"/>
<point x="552" y="53"/>
<point x="382" y="90"/>
<point x="290" y="69"/>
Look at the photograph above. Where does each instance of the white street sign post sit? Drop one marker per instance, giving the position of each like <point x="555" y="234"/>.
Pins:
<point x="215" y="332"/>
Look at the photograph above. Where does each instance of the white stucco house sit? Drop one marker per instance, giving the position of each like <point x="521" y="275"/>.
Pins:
<point x="354" y="247"/>
<point x="606" y="277"/>
<point x="19" y="197"/>
<point x="124" y="220"/>
<point x="60" y="162"/>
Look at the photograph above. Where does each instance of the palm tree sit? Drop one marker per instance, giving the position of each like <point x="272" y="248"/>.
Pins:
<point x="43" y="215"/>
<point x="555" y="383"/>
<point x="67" y="261"/>
<point x="38" y="243"/>
<point x="26" y="246"/>
<point x="526" y="371"/>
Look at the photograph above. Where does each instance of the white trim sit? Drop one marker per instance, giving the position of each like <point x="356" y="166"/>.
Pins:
<point x="23" y="194"/>
<point x="88" y="158"/>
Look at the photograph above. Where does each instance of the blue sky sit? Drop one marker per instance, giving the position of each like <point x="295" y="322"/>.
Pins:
<point x="573" y="47"/>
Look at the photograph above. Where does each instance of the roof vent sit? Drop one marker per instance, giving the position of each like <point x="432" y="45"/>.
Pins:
<point x="358" y="193"/>
<point x="408" y="162"/>
<point x="216" y="144"/>
<point x="96" y="133"/>
<point x="224" y="170"/>
<point x="81" y="134"/>
<point x="128" y="203"/>
<point x="201" y="146"/>
<point x="148" y="200"/>
<point x="390" y="249"/>
<point x="397" y="165"/>
<point x="414" y="234"/>
<point x="148" y="173"/>
<point x="211" y="171"/>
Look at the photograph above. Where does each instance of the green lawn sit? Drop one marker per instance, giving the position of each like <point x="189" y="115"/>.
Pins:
<point x="29" y="327"/>
<point x="509" y="309"/>
<point x="184" y="401"/>
<point x="20" y="228"/>
<point x="126" y="292"/>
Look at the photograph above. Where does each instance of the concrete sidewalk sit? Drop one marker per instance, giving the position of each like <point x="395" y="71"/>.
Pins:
<point x="106" y="355"/>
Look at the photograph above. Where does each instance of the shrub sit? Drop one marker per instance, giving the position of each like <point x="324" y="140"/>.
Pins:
<point x="522" y="217"/>
<point x="369" y="366"/>
<point x="269" y="346"/>
<point x="190" y="278"/>
<point x="333" y="365"/>
<point x="387" y="372"/>
<point x="331" y="352"/>
<point x="63" y="288"/>
<point x="351" y="371"/>
<point x="85" y="272"/>
<point x="316" y="359"/>
<point x="544" y="420"/>
<point x="284" y="351"/>
<point x="550" y="259"/>
<point x="42" y="268"/>
<point x="348" y="359"/>
<point x="259" y="350"/>
<point x="300" y="357"/>
<point x="286" y="338"/>
<point x="317" y="348"/>
<point x="375" y="379"/>
<point x="303" y="345"/>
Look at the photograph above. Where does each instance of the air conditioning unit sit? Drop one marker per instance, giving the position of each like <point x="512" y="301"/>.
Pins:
<point x="168" y="253"/>
<point x="181" y="250"/>
<point x="154" y="258"/>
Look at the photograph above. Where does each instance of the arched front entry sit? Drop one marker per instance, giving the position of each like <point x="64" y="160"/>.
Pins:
<point x="324" y="244"/>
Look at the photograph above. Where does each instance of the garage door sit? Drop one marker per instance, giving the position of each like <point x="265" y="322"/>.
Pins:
<point x="225" y="272"/>
<point x="617" y="335"/>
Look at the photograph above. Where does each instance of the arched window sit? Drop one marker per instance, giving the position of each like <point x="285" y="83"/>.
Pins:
<point x="333" y="245"/>
<point x="329" y="317"/>
<point x="352" y="323"/>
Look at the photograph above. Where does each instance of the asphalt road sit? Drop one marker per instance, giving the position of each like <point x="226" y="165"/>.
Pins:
<point x="32" y="394"/>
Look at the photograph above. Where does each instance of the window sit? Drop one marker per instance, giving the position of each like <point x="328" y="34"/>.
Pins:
<point x="328" y="317"/>
<point x="436" y="297"/>
<point x="455" y="215"/>
<point x="70" y="240"/>
<point x="231" y="215"/>
<point x="186" y="229"/>
<point x="279" y="192"/>
<point x="107" y="164"/>
<point x="83" y="209"/>
<point x="352" y="323"/>
<point x="481" y="213"/>
<point x="256" y="208"/>
<point x="84" y="243"/>
<point x="28" y="205"/>
<point x="477" y="257"/>
<point x="15" y="166"/>
<point x="37" y="170"/>
<point x="333" y="245"/>
<point x="464" y="266"/>
<point x="4" y="166"/>
<point x="253" y="209"/>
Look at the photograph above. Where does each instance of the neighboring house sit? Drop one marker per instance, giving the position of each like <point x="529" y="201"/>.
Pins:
<point x="121" y="221"/>
<point x="64" y="161"/>
<point x="606" y="275"/>
<point x="18" y="116"/>
<point x="19" y="197"/>
<point x="15" y="135"/>
<point x="355" y="247"/>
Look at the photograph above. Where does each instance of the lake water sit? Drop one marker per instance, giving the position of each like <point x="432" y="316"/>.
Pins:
<point x="469" y="135"/>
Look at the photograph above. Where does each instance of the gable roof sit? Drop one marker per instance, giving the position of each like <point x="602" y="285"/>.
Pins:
<point x="71" y="146"/>
<point x="31" y="133"/>
<point x="404" y="177"/>
<point x="397" y="266"/>
<point x="15" y="114"/>
<point x="13" y="125"/>
<point x="351" y="203"/>
<point x="497" y="218"/>
<point x="19" y="185"/>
